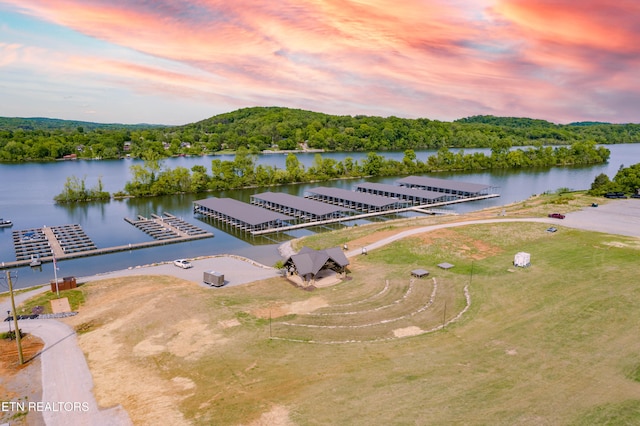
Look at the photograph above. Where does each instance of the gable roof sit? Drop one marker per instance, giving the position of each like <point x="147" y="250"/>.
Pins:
<point x="310" y="261"/>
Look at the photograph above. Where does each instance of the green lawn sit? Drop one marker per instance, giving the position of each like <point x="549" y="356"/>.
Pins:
<point x="556" y="343"/>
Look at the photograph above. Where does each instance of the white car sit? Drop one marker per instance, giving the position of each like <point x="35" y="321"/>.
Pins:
<point x="182" y="263"/>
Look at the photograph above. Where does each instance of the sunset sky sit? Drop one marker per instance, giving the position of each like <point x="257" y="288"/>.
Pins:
<point x="178" y="61"/>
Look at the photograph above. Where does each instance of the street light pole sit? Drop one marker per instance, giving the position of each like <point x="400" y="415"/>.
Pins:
<point x="15" y="320"/>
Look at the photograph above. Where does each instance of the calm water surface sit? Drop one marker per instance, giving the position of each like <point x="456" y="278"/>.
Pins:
<point x="27" y="191"/>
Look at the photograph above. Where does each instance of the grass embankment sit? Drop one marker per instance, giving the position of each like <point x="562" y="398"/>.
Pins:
<point x="75" y="297"/>
<point x="555" y="343"/>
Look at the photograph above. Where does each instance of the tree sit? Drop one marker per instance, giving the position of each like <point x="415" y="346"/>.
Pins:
<point x="372" y="164"/>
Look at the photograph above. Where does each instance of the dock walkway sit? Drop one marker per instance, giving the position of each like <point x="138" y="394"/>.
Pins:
<point x="427" y="209"/>
<point x="70" y="241"/>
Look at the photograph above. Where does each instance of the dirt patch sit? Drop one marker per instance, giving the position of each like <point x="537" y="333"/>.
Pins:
<point x="278" y="416"/>
<point x="407" y="331"/>
<point x="229" y="323"/>
<point x="375" y="237"/>
<point x="462" y="245"/>
<point x="21" y="383"/>
<point x="620" y="244"/>
<point x="302" y="307"/>
<point x="189" y="339"/>
<point x="126" y="363"/>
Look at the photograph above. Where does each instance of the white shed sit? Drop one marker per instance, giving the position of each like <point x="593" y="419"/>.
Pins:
<point x="522" y="259"/>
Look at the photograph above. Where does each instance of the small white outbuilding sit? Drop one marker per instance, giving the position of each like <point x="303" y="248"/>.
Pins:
<point x="522" y="259"/>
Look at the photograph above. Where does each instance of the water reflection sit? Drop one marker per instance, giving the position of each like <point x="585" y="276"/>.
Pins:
<point x="30" y="205"/>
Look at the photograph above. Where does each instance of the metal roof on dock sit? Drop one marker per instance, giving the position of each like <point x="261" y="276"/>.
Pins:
<point x="443" y="185"/>
<point x="294" y="202"/>
<point x="401" y="192"/>
<point x="353" y="197"/>
<point x="247" y="213"/>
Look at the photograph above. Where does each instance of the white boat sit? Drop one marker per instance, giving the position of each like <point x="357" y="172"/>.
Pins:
<point x="35" y="261"/>
<point x="5" y="223"/>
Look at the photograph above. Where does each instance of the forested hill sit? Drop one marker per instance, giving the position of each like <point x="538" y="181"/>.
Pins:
<point x="515" y="122"/>
<point x="276" y="128"/>
<point x="41" y="123"/>
<point x="287" y="128"/>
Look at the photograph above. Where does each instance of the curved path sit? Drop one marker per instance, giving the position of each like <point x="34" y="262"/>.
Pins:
<point x="66" y="377"/>
<point x="620" y="217"/>
<point x="67" y="397"/>
<point x="423" y="229"/>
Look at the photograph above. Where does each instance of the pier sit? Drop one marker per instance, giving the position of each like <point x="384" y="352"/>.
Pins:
<point x="426" y="209"/>
<point x="275" y="212"/>
<point x="70" y="241"/>
<point x="167" y="227"/>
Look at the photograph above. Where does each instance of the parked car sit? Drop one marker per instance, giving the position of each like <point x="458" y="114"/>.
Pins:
<point x="615" y="195"/>
<point x="556" y="215"/>
<point x="182" y="263"/>
<point x="552" y="229"/>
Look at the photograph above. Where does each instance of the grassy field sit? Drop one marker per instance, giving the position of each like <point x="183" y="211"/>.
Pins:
<point x="555" y="343"/>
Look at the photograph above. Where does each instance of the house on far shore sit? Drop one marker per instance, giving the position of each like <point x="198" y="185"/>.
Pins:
<point x="319" y="268"/>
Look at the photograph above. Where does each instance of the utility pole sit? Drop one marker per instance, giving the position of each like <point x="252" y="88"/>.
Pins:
<point x="15" y="320"/>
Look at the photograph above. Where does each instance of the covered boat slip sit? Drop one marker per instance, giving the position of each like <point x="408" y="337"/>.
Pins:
<point x="298" y="207"/>
<point x="414" y="196"/>
<point x="360" y="201"/>
<point x="454" y="188"/>
<point x="271" y="212"/>
<point x="244" y="216"/>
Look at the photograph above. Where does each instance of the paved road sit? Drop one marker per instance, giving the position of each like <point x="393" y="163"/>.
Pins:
<point x="67" y="397"/>
<point x="619" y="217"/>
<point x="66" y="380"/>
<point x="66" y="377"/>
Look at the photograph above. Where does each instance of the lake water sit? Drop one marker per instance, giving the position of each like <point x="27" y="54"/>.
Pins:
<point x="27" y="191"/>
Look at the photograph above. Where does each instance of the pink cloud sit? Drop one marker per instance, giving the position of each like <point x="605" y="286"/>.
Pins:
<point x="440" y="59"/>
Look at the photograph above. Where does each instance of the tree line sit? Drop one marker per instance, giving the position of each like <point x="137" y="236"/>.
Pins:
<point x="153" y="179"/>
<point x="275" y="128"/>
<point x="626" y="181"/>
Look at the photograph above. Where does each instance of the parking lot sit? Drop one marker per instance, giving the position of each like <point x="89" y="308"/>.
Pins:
<point x="620" y="217"/>
<point x="235" y="270"/>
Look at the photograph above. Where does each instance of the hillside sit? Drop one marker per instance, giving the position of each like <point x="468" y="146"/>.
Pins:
<point x="262" y="128"/>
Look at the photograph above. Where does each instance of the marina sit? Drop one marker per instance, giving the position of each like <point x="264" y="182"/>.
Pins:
<point x="30" y="205"/>
<point x="35" y="246"/>
<point x="280" y="212"/>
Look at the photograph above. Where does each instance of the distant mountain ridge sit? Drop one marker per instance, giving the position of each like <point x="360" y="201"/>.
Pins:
<point x="33" y="123"/>
<point x="285" y="129"/>
<point x="43" y="123"/>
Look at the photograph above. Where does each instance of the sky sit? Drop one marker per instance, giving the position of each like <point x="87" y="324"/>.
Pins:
<point x="177" y="61"/>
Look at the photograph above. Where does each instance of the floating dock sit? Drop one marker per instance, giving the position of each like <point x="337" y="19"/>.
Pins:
<point x="70" y="241"/>
<point x="167" y="227"/>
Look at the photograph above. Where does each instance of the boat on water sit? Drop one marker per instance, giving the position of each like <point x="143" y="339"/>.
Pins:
<point x="35" y="261"/>
<point x="4" y="223"/>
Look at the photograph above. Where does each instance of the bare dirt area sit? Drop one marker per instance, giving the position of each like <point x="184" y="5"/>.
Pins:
<point x="171" y="351"/>
<point x="20" y="383"/>
<point x="282" y="309"/>
<point x="130" y="375"/>
<point x="461" y="245"/>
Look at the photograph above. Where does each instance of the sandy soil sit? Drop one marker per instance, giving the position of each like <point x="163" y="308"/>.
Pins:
<point x="20" y="383"/>
<point x="134" y="376"/>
